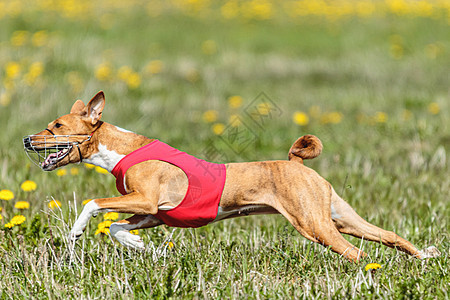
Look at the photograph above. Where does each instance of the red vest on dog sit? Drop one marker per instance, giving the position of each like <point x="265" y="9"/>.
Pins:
<point x="206" y="181"/>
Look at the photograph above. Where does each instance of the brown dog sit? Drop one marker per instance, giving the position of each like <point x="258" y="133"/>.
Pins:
<point x="309" y="202"/>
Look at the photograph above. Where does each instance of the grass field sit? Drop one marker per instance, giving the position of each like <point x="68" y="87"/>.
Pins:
<point x="370" y="80"/>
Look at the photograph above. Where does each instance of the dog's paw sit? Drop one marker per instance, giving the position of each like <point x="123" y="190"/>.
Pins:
<point x="134" y="242"/>
<point x="126" y="238"/>
<point x="429" y="252"/>
<point x="75" y="234"/>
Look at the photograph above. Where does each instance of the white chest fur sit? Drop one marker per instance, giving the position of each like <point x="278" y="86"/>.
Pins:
<point x="107" y="159"/>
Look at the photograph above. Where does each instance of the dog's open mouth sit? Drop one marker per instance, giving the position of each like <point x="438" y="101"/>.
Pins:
<point x="47" y="151"/>
<point x="54" y="158"/>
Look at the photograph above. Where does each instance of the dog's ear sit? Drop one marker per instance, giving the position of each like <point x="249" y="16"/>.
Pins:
<point x="77" y="107"/>
<point x="93" y="110"/>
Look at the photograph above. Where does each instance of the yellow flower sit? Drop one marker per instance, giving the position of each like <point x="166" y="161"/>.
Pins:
<point x="111" y="216"/>
<point x="209" y="47"/>
<point x="170" y="245"/>
<point x="433" y="108"/>
<point x="5" y="99"/>
<point x="1" y="217"/>
<point x="218" y="128"/>
<point x="105" y="224"/>
<point x="74" y="171"/>
<point x="61" y="172"/>
<point x="12" y="69"/>
<point x="103" y="71"/>
<point x="154" y="67"/>
<point x="9" y="225"/>
<point x="372" y="266"/>
<point x="332" y="117"/>
<point x="54" y="204"/>
<point x="1" y="208"/>
<point x="28" y="186"/>
<point x="235" y="121"/>
<point x="89" y="166"/>
<point x="102" y="230"/>
<point x="6" y="195"/>
<point x="86" y="201"/>
<point x="300" y="118"/>
<point x="264" y="108"/>
<point x="22" y="205"/>
<point x="124" y="72"/>
<point x="134" y="80"/>
<point x="210" y="116"/>
<point x="101" y="170"/>
<point x="135" y="232"/>
<point x="17" y="220"/>
<point x="380" y="117"/>
<point x="39" y="38"/>
<point x="235" y="101"/>
<point x="19" y="38"/>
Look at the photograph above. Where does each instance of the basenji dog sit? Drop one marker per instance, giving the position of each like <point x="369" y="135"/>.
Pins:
<point x="154" y="186"/>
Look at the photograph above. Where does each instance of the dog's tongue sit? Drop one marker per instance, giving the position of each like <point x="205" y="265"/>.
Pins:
<point x="47" y="160"/>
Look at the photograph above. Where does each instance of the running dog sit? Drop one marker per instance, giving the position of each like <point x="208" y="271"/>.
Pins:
<point x="162" y="185"/>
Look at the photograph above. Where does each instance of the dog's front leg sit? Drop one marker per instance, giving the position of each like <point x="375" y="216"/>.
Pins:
<point x="133" y="203"/>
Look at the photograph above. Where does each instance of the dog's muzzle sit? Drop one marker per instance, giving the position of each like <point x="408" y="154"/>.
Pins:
<point x="47" y="150"/>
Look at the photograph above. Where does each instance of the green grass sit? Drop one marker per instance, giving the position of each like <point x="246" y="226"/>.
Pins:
<point x="394" y="173"/>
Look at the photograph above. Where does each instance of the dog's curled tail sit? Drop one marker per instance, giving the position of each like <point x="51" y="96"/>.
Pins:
<point x="305" y="147"/>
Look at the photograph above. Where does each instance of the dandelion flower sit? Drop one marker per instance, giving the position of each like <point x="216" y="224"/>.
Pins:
<point x="372" y="266"/>
<point x="154" y="67"/>
<point x="61" y="172"/>
<point x="28" y="186"/>
<point x="102" y="230"/>
<point x="103" y="227"/>
<point x="218" y="128"/>
<point x="170" y="245"/>
<point x="101" y="170"/>
<point x="264" y="108"/>
<point x="89" y="166"/>
<point x="17" y="220"/>
<point x="22" y="205"/>
<point x="9" y="225"/>
<point x="111" y="216"/>
<point x="433" y="108"/>
<point x="380" y="117"/>
<point x="86" y="201"/>
<point x="105" y="224"/>
<point x="12" y="70"/>
<point x="235" y="101"/>
<point x="6" y="195"/>
<point x="54" y="204"/>
<point x="235" y="121"/>
<point x="210" y="116"/>
<point x="300" y="118"/>
<point x="74" y="171"/>
<point x="103" y="71"/>
<point x="1" y="217"/>
<point x="135" y="232"/>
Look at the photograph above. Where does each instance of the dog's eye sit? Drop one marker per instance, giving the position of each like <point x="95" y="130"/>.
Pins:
<point x="58" y="125"/>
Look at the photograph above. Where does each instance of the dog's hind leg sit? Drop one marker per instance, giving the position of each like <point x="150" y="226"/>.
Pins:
<point x="347" y="221"/>
<point x="121" y="230"/>
<point x="323" y="231"/>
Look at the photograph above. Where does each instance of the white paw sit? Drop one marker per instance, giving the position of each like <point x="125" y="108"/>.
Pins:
<point x="75" y="233"/>
<point x="126" y="238"/>
<point x="429" y="252"/>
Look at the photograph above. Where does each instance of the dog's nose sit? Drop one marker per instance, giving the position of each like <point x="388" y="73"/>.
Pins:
<point x="27" y="142"/>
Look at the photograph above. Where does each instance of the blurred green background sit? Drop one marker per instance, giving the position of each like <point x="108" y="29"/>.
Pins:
<point x="369" y="78"/>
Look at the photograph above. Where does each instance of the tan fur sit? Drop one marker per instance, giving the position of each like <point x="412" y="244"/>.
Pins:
<point x="286" y="187"/>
